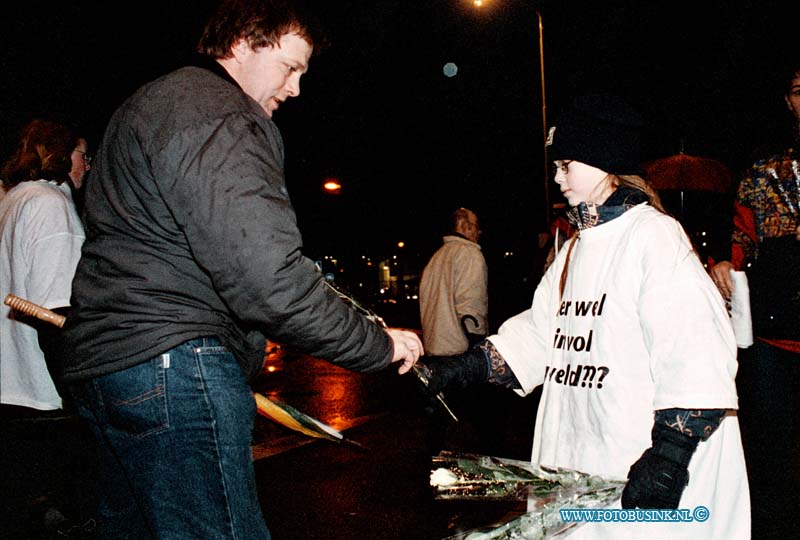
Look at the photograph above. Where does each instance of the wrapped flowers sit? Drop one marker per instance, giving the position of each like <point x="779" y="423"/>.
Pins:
<point x="475" y="477"/>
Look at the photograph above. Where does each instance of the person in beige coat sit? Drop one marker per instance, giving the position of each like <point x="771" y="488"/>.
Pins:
<point x="454" y="303"/>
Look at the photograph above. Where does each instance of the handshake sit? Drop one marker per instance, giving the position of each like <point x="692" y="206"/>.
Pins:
<point x="438" y="373"/>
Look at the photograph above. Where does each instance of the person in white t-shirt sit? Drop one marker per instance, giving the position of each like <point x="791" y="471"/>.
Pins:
<point x="630" y="340"/>
<point x="40" y="243"/>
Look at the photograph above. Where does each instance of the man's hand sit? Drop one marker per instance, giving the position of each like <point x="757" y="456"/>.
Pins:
<point x="407" y="348"/>
<point x="721" y="275"/>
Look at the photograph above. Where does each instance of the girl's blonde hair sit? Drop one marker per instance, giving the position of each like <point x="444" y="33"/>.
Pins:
<point x="639" y="183"/>
<point x="616" y="181"/>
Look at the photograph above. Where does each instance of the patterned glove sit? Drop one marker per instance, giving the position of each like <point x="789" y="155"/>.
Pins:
<point x="659" y="477"/>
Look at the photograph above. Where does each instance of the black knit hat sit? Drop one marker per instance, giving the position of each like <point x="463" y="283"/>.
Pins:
<point x="600" y="130"/>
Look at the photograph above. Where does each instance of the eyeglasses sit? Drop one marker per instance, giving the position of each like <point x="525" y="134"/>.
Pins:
<point x="87" y="159"/>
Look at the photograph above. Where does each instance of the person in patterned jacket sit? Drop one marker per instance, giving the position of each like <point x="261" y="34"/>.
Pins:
<point x="766" y="244"/>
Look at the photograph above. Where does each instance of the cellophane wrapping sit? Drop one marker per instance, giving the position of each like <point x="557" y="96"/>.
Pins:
<point x="457" y="476"/>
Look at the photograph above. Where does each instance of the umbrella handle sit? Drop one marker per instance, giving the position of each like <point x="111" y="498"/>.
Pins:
<point x="34" y="310"/>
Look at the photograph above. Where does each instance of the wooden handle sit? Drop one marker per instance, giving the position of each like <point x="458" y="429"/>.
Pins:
<point x="34" y="310"/>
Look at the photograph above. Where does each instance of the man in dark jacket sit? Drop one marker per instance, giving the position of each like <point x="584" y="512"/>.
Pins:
<point x="192" y="257"/>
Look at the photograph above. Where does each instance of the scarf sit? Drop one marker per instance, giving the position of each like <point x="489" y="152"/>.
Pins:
<point x="588" y="215"/>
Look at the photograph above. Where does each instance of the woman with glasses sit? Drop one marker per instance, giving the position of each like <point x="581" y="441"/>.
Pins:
<point x="40" y="243"/>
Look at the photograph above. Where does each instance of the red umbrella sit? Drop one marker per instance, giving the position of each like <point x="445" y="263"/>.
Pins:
<point x="684" y="172"/>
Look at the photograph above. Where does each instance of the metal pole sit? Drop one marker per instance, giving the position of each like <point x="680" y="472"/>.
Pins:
<point x="479" y="3"/>
<point x="548" y="209"/>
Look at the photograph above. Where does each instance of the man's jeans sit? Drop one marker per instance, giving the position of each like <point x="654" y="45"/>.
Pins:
<point x="174" y="436"/>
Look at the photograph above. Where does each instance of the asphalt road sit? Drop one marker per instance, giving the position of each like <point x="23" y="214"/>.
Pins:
<point x="319" y="489"/>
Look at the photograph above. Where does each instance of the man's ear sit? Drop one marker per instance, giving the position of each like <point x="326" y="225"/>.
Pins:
<point x="241" y="49"/>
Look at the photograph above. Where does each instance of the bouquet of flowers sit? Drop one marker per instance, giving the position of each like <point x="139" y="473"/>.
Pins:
<point x="474" y="477"/>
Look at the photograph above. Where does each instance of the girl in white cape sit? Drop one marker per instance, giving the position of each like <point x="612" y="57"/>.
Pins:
<point x="631" y="341"/>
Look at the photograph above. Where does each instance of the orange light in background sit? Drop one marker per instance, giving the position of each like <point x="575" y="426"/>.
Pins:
<point x="332" y="186"/>
<point x="401" y="244"/>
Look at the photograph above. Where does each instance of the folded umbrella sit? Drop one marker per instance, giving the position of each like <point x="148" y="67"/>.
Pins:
<point x="271" y="408"/>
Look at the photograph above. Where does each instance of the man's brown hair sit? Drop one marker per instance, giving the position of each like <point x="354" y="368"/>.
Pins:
<point x="260" y="22"/>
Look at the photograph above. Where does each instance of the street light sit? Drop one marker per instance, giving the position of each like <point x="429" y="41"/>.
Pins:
<point x="480" y="4"/>
<point x="332" y="185"/>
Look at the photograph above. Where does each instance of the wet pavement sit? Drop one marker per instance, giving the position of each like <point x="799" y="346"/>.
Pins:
<point x="319" y="489"/>
<point x="376" y="489"/>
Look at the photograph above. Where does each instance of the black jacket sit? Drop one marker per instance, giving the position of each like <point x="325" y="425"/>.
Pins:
<point x="190" y="232"/>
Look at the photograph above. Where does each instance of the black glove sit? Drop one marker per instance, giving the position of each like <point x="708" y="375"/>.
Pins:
<point x="457" y="371"/>
<point x="659" y="477"/>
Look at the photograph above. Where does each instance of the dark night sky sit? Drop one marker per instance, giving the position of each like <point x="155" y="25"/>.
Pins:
<point x="408" y="143"/>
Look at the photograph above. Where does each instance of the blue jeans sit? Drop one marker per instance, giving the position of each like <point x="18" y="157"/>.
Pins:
<point x="174" y="436"/>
